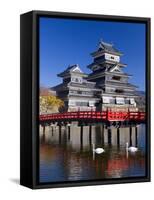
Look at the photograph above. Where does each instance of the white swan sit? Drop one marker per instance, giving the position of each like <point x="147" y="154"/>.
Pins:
<point x="131" y="149"/>
<point x="98" y="150"/>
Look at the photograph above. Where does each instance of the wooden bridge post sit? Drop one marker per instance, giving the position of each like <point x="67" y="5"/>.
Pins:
<point x="43" y="129"/>
<point x="69" y="130"/>
<point x="118" y="136"/>
<point x="90" y="133"/>
<point x="130" y="135"/>
<point x="43" y="136"/>
<point x="136" y="136"/>
<point x="109" y="136"/>
<point x="81" y="137"/>
<point x="102" y="134"/>
<point x="59" y="133"/>
<point x="52" y="129"/>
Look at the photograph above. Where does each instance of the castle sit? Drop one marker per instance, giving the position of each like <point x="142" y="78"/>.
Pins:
<point x="106" y="87"/>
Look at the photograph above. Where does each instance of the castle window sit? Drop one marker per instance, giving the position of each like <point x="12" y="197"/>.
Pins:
<point x="106" y="100"/>
<point x="91" y="103"/>
<point x="79" y="92"/>
<point x="76" y="79"/>
<point x="120" y="100"/>
<point x="71" y="103"/>
<point x="116" y="78"/>
<point x="119" y="91"/>
<point x="127" y="101"/>
<point x="132" y="101"/>
<point x="81" y="103"/>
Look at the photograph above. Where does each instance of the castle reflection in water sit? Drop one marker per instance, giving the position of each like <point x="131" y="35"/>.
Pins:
<point x="66" y="153"/>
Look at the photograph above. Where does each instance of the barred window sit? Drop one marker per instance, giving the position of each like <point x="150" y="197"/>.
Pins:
<point x="81" y="103"/>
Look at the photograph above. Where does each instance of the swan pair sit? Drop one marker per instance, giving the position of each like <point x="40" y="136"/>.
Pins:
<point x="101" y="150"/>
<point x="131" y="149"/>
<point x="98" y="150"/>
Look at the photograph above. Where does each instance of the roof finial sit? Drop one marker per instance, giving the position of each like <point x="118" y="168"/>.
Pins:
<point x="100" y="42"/>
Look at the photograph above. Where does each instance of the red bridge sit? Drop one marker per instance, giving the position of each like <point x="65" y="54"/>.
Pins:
<point x="104" y="116"/>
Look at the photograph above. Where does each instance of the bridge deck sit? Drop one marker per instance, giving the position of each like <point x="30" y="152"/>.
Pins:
<point x="93" y="115"/>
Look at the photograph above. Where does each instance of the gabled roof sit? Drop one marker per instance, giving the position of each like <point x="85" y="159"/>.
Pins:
<point x="71" y="69"/>
<point x="115" y="68"/>
<point x="107" y="47"/>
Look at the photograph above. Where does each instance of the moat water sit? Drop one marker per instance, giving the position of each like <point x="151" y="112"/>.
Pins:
<point x="66" y="154"/>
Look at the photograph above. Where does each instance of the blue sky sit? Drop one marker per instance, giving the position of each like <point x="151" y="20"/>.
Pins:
<point x="65" y="42"/>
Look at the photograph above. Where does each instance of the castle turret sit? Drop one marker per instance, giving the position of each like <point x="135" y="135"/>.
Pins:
<point x="76" y="92"/>
<point x="107" y="72"/>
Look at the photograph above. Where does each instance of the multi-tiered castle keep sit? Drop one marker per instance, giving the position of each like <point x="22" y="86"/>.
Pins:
<point x="106" y="87"/>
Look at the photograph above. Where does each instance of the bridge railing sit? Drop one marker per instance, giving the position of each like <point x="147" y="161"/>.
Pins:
<point x="104" y="115"/>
